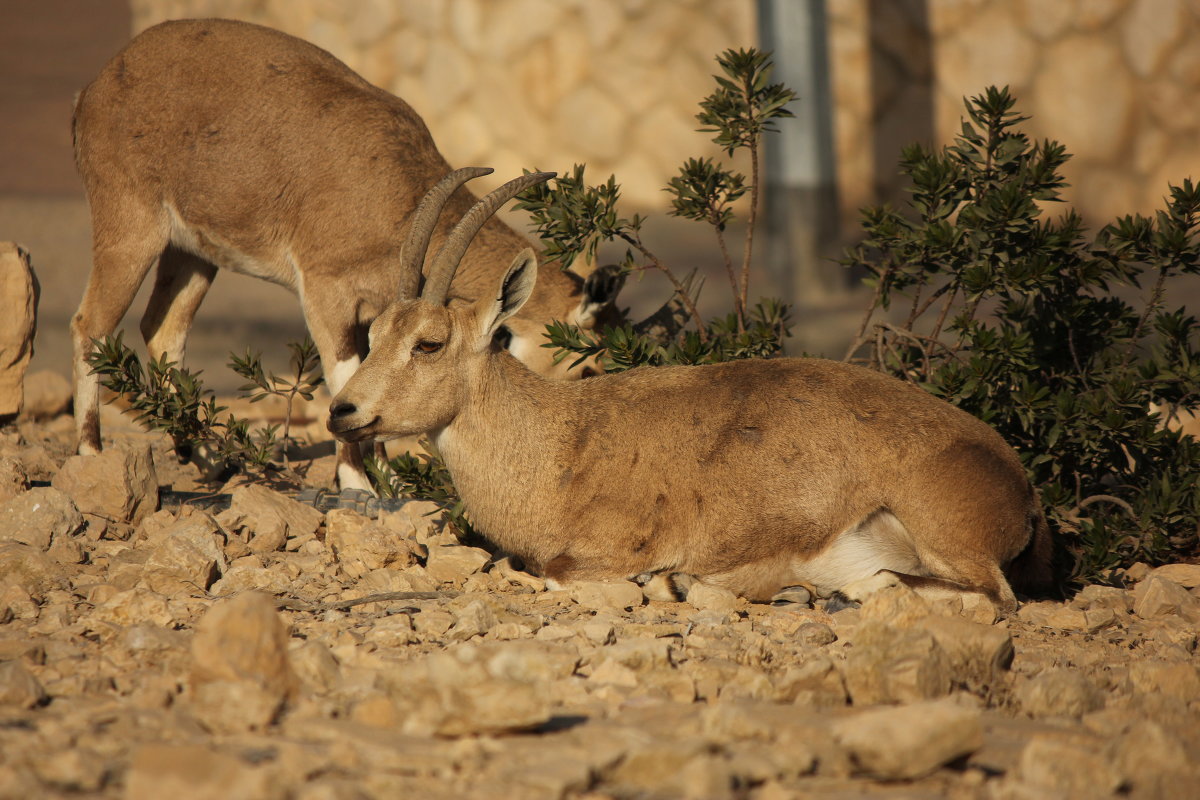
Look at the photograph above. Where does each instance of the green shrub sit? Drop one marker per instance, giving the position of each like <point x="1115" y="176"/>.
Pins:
<point x="1024" y="322"/>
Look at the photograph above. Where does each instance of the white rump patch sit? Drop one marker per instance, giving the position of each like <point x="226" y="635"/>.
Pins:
<point x="879" y="542"/>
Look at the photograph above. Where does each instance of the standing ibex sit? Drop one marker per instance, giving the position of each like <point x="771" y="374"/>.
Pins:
<point x="212" y="143"/>
<point x="754" y="475"/>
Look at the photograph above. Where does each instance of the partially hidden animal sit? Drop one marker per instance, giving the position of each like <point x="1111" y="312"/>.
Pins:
<point x="755" y="475"/>
<point x="209" y="144"/>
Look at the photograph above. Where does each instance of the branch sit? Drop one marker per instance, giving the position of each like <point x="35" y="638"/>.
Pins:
<point x="750" y="221"/>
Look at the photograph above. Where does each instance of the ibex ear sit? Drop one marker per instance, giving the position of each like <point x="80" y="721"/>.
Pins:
<point x="600" y="288"/>
<point x="515" y="288"/>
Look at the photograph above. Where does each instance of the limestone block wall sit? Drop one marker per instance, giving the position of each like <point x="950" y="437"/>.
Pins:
<point x="517" y="84"/>
<point x="1116" y="81"/>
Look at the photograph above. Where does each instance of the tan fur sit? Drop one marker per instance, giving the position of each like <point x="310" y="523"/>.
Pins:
<point x="213" y="143"/>
<point x="754" y="475"/>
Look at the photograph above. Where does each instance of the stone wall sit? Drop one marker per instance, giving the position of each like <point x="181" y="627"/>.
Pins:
<point x="614" y="83"/>
<point x="1116" y="81"/>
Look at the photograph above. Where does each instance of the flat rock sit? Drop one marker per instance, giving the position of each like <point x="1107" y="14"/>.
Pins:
<point x="1158" y="596"/>
<point x="194" y="772"/>
<point x="269" y="519"/>
<point x="18" y="687"/>
<point x="119" y="484"/>
<point x="189" y="551"/>
<point x="39" y="516"/>
<point x="360" y="544"/>
<point x="1059" y="693"/>
<point x="1055" y="768"/>
<point x="977" y="654"/>
<point x="1186" y="575"/>
<point x="909" y="741"/>
<point x="886" y="665"/>
<point x="606" y="595"/>
<point x="454" y="563"/>
<point x="28" y="568"/>
<point x="1179" y="680"/>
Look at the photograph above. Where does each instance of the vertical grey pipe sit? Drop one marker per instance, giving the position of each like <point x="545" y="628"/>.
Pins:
<point x="801" y="212"/>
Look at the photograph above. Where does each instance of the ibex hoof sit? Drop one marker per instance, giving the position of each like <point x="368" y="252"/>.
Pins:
<point x="793" y="595"/>
<point x="839" y="602"/>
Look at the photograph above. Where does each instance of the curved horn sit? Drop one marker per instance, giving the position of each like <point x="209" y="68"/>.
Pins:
<point x="437" y="284"/>
<point x="422" y="223"/>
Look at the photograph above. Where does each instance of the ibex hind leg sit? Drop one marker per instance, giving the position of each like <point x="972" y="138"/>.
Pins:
<point x="127" y="242"/>
<point x="180" y="284"/>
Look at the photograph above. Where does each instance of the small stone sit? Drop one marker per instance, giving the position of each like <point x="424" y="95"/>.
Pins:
<point x="1159" y="597"/>
<point x="598" y="632"/>
<point x="193" y="772"/>
<point x="529" y="661"/>
<point x="119" y="484"/>
<point x="476" y="619"/>
<point x="816" y="634"/>
<point x="816" y="683"/>
<point x="240" y="672"/>
<point x="706" y="597"/>
<point x="47" y="395"/>
<point x="614" y="673"/>
<point x="1061" y="769"/>
<point x="1178" y="680"/>
<point x="1059" y="693"/>
<point x="39" y="516"/>
<point x="896" y="605"/>
<point x="19" y="290"/>
<point x="1135" y="573"/>
<point x="260" y="512"/>
<point x="453" y="563"/>
<point x="28" y="568"/>
<point x="554" y="633"/>
<point x="890" y="666"/>
<point x="131" y="607"/>
<point x="13" y="479"/>
<point x="377" y="711"/>
<point x="1186" y="575"/>
<point x="606" y="595"/>
<point x="73" y="770"/>
<point x="189" y="551"/>
<point x="910" y="741"/>
<point x="18" y="687"/>
<point x="977" y="654"/>
<point x="361" y="545"/>
<point x="315" y="667"/>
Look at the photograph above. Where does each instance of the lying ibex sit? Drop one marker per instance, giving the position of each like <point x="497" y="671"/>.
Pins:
<point x="754" y="475"/>
<point x="212" y="143"/>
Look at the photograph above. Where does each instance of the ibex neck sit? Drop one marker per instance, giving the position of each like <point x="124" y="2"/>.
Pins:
<point x="504" y="446"/>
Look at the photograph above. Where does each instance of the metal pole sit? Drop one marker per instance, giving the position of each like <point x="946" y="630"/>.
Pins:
<point x="800" y="180"/>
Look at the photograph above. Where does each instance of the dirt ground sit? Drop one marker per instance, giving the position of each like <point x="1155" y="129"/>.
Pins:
<point x="184" y="654"/>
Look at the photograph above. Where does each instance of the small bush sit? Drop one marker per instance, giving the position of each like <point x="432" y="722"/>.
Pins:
<point x="1024" y="322"/>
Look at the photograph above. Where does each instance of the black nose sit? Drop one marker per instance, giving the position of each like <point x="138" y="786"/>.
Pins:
<point x="342" y="409"/>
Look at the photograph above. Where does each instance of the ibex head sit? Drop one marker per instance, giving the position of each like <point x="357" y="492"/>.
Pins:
<point x="423" y="355"/>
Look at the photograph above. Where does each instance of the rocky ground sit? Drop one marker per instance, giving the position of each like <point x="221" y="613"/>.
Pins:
<point x="175" y="653"/>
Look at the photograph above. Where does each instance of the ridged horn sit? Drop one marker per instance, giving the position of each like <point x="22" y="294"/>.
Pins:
<point x="424" y="220"/>
<point x="437" y="284"/>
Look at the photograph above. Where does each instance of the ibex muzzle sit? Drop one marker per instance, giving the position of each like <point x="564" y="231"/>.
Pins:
<point x="755" y="475"/>
<point x="209" y="144"/>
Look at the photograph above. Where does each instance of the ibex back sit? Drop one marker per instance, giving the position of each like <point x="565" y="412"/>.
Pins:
<point x="212" y="143"/>
<point x="754" y="475"/>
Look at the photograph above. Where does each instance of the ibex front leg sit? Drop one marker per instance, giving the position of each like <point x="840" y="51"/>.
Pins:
<point x="335" y="332"/>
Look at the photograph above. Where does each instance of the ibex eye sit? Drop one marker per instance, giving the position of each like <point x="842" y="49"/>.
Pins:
<point x="425" y="346"/>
